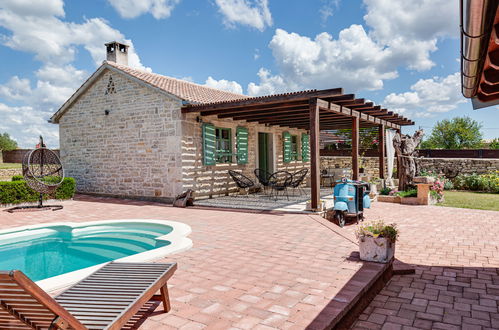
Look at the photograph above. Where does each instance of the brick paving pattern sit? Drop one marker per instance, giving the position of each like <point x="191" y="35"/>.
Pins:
<point x="456" y="256"/>
<point x="293" y="271"/>
<point x="245" y="270"/>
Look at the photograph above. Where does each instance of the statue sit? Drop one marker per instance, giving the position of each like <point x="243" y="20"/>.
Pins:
<point x="405" y="149"/>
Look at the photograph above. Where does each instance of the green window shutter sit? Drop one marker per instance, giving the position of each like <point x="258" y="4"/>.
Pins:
<point x="209" y="144"/>
<point x="286" y="146"/>
<point x="305" y="147"/>
<point x="242" y="145"/>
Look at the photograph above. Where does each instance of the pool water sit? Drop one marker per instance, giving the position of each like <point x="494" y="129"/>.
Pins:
<point x="54" y="250"/>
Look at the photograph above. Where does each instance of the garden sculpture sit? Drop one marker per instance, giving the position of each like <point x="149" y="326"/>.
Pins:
<point x="405" y="149"/>
<point x="42" y="170"/>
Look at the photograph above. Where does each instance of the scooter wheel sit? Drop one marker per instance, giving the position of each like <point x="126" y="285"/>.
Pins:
<point x="339" y="217"/>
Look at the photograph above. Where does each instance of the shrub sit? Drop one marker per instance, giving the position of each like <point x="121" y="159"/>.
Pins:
<point x="478" y="182"/>
<point x="408" y="193"/>
<point x="17" y="191"/>
<point x="17" y="178"/>
<point x="378" y="229"/>
<point x="385" y="191"/>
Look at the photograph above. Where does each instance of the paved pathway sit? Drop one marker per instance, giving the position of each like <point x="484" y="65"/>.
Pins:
<point x="245" y="270"/>
<point x="456" y="285"/>
<point x="263" y="271"/>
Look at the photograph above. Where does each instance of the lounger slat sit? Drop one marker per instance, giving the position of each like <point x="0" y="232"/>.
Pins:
<point x="107" y="299"/>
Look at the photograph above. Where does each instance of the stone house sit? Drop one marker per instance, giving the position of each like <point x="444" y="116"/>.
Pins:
<point x="123" y="133"/>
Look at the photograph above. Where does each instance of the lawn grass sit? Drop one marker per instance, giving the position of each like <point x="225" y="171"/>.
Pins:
<point x="8" y="166"/>
<point x="471" y="200"/>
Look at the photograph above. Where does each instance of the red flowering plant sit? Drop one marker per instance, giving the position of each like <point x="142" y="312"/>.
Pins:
<point x="437" y="189"/>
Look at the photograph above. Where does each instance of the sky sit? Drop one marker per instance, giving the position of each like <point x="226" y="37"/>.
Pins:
<point x="401" y="54"/>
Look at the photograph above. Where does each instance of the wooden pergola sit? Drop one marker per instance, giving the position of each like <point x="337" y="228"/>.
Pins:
<point x="312" y="110"/>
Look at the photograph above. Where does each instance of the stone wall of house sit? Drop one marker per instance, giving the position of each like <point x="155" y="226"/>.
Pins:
<point x="459" y="165"/>
<point x="134" y="151"/>
<point x="214" y="180"/>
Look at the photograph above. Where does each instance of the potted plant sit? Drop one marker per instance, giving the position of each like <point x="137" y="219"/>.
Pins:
<point x="377" y="241"/>
<point x="409" y="197"/>
<point x="389" y="195"/>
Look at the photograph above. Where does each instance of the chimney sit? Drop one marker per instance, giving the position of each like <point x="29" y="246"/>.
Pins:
<point x="117" y="53"/>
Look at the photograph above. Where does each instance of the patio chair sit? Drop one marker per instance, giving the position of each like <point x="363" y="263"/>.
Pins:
<point x="280" y="181"/>
<point x="106" y="299"/>
<point x="298" y="179"/>
<point x="263" y="178"/>
<point x="242" y="181"/>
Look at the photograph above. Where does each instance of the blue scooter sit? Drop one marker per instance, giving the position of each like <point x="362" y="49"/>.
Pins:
<point x="350" y="199"/>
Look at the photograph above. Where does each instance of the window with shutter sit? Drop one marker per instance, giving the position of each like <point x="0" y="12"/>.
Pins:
<point x="286" y="146"/>
<point x="305" y="147"/>
<point x="209" y="144"/>
<point x="223" y="145"/>
<point x="242" y="145"/>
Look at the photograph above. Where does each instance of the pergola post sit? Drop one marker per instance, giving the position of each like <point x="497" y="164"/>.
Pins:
<point x="314" y="153"/>
<point x="381" y="150"/>
<point x="355" y="148"/>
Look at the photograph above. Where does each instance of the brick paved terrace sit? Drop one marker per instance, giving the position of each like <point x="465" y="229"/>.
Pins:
<point x="296" y="271"/>
<point x="456" y="256"/>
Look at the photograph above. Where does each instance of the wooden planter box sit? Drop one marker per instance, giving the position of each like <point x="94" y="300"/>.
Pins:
<point x="376" y="249"/>
<point x="388" y="199"/>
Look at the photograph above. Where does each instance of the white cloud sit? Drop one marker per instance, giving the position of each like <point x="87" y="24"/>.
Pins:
<point x="352" y="61"/>
<point x="132" y="8"/>
<point x="226" y="85"/>
<point x="399" y="34"/>
<point x="328" y="9"/>
<point x="25" y="124"/>
<point x="38" y="27"/>
<point x="428" y="96"/>
<point x="254" y="13"/>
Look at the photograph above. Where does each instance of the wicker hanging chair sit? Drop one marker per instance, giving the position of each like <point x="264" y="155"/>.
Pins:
<point x="43" y="172"/>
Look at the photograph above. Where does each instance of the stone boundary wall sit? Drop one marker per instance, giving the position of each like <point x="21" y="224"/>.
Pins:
<point x="16" y="156"/>
<point x="461" y="165"/>
<point x="7" y="174"/>
<point x="370" y="164"/>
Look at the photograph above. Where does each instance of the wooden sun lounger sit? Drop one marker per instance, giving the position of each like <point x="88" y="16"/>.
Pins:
<point x="106" y="299"/>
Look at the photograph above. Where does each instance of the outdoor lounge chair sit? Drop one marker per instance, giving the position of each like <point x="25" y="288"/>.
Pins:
<point x="106" y="299"/>
<point x="242" y="181"/>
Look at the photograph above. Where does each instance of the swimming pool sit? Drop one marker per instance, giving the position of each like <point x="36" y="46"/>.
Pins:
<point x="58" y="254"/>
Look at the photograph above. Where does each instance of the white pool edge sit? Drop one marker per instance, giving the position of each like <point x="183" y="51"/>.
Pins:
<point x="177" y="237"/>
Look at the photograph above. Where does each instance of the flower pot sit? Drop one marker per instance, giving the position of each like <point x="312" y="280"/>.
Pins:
<point x="378" y="249"/>
<point x="410" y="200"/>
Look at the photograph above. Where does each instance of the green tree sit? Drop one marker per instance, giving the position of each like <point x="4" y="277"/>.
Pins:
<point x="6" y="143"/>
<point x="494" y="144"/>
<point x="455" y="133"/>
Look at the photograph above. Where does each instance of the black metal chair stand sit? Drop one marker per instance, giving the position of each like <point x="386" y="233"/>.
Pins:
<point x="263" y="178"/>
<point x="297" y="181"/>
<point x="280" y="181"/>
<point x="242" y="181"/>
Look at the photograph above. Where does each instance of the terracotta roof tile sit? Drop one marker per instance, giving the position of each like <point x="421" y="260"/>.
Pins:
<point x="183" y="89"/>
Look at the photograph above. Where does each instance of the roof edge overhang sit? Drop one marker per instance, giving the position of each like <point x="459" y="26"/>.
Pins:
<point x="93" y="78"/>
<point x="477" y="18"/>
